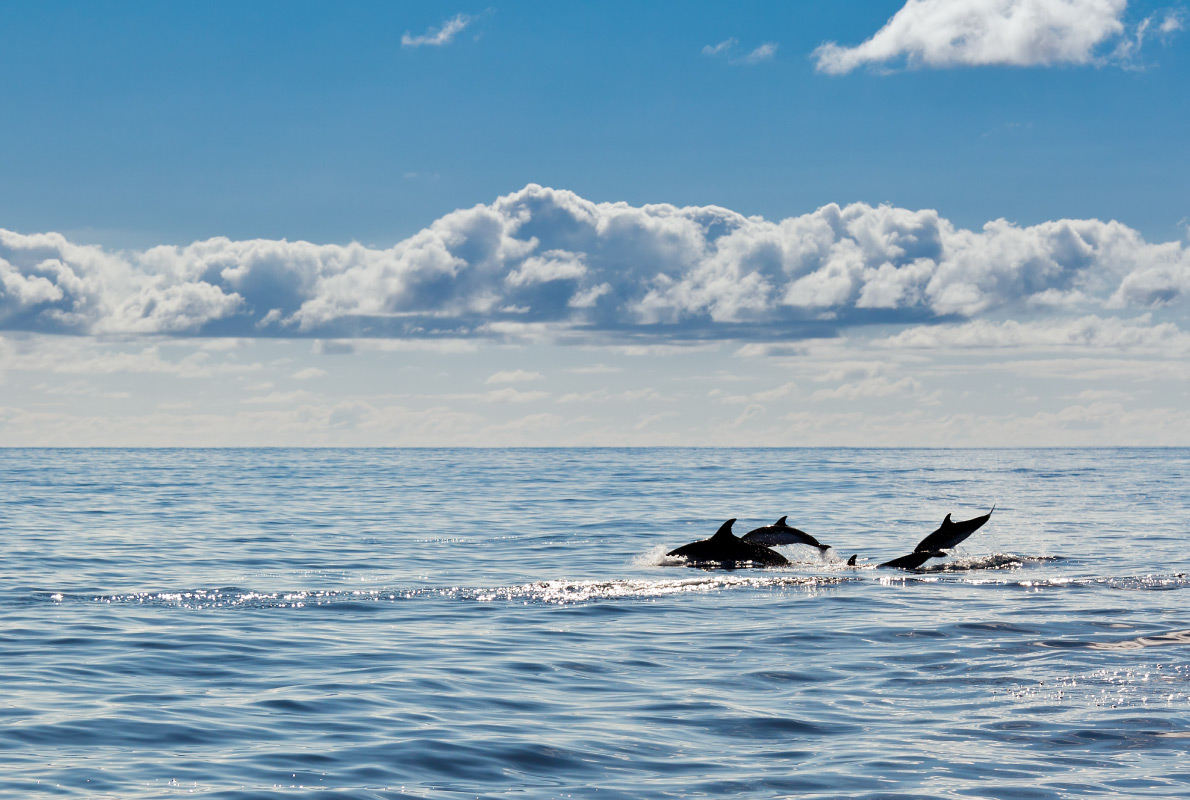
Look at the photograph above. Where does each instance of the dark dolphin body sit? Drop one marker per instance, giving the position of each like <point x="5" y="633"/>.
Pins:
<point x="780" y="533"/>
<point x="913" y="560"/>
<point x="727" y="549"/>
<point x="950" y="534"/>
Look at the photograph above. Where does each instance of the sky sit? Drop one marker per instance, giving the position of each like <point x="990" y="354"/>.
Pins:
<point x="875" y="223"/>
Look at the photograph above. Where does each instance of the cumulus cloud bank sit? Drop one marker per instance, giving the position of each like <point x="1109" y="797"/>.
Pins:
<point x="947" y="33"/>
<point x="549" y="258"/>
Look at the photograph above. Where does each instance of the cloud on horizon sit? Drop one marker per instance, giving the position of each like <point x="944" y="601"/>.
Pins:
<point x="1022" y="33"/>
<point x="547" y="260"/>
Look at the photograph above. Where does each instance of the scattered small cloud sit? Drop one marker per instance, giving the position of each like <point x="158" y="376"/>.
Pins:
<point x="601" y="396"/>
<point x="437" y="37"/>
<point x="594" y="369"/>
<point x="766" y="52"/>
<point x="279" y="398"/>
<point x="722" y="48"/>
<point x="729" y="50"/>
<point x="308" y="373"/>
<point x="653" y="419"/>
<point x="781" y="392"/>
<point x="1172" y="22"/>
<point x="1129" y="46"/>
<point x="514" y="376"/>
<point x="871" y="387"/>
<point x="505" y="395"/>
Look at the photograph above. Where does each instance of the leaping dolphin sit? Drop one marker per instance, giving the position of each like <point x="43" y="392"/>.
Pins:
<point x="727" y="549"/>
<point x="913" y="560"/>
<point x="781" y="533"/>
<point x="950" y="534"/>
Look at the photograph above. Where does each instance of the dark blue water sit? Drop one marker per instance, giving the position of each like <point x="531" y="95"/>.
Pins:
<point x="501" y="623"/>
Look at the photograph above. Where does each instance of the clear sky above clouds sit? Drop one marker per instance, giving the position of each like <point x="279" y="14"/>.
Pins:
<point x="868" y="223"/>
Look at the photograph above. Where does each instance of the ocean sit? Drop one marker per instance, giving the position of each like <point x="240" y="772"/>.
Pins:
<point x="453" y="623"/>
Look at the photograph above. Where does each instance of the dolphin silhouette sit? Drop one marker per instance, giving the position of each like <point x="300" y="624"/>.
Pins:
<point x="950" y="534"/>
<point x="727" y="549"/>
<point x="913" y="560"/>
<point x="781" y="533"/>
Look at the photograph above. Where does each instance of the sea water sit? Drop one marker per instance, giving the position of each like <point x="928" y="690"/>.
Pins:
<point x="504" y="623"/>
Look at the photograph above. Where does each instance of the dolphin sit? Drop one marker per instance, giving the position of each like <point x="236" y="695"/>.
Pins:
<point x="727" y="549"/>
<point x="780" y="533"/>
<point x="950" y="534"/>
<point x="913" y="560"/>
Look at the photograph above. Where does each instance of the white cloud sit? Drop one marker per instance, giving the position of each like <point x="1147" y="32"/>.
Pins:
<point x="279" y="398"/>
<point x="948" y="33"/>
<point x="765" y="52"/>
<point x="308" y="373"/>
<point x="765" y="396"/>
<point x="514" y="376"/>
<point x="555" y="265"/>
<point x="438" y="37"/>
<point x="1172" y="22"/>
<point x="594" y="369"/>
<point x="605" y="396"/>
<point x="505" y="395"/>
<point x="722" y="48"/>
<point x="652" y="419"/>
<point x="1090" y="332"/>
<point x="540" y="263"/>
<point x="871" y="387"/>
<point x="729" y="47"/>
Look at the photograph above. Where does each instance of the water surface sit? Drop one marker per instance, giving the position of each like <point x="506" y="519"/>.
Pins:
<point x="501" y="623"/>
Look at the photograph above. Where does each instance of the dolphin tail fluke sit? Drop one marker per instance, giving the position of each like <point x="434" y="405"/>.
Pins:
<point x="822" y="548"/>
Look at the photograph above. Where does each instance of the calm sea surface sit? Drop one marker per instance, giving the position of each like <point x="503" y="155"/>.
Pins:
<point x="503" y="623"/>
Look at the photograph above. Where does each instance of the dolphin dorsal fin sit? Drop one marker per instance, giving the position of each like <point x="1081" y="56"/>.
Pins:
<point x="781" y="522"/>
<point x="724" y="531"/>
<point x="947" y="520"/>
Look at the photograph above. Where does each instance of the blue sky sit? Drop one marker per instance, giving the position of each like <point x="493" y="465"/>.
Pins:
<point x="601" y="223"/>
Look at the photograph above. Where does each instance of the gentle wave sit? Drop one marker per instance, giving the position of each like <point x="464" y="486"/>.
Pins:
<point x="1135" y="643"/>
<point x="552" y="592"/>
<point x="560" y="592"/>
